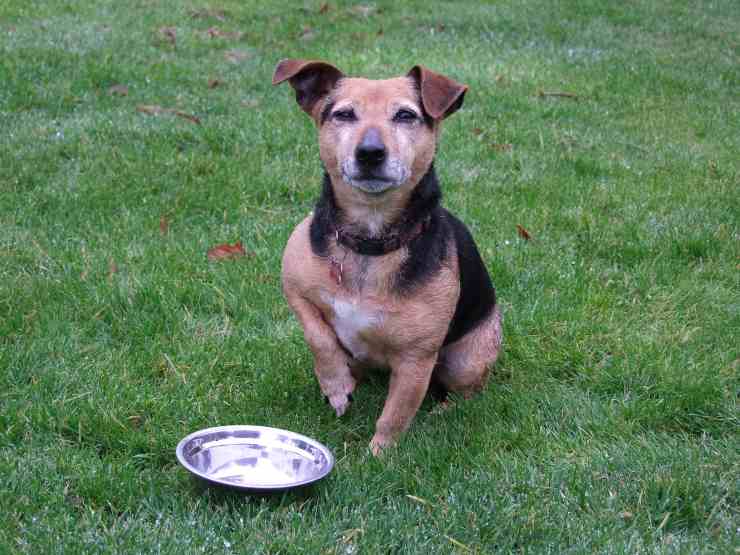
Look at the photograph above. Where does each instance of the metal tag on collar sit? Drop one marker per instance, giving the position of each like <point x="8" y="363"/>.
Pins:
<point x="336" y="270"/>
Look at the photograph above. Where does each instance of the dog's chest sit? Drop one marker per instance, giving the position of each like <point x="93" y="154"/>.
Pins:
<point x="357" y="324"/>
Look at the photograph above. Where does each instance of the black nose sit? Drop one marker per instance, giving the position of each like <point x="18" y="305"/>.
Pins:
<point x="371" y="150"/>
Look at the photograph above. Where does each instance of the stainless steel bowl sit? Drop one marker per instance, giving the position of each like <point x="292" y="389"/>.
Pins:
<point x="255" y="458"/>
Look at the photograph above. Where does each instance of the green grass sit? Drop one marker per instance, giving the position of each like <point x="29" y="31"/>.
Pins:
<point x="611" y="423"/>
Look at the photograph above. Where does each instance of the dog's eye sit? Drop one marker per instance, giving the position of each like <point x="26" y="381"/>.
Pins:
<point x="405" y="116"/>
<point x="344" y="115"/>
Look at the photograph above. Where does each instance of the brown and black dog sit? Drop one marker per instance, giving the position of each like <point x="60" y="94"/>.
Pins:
<point x="380" y="275"/>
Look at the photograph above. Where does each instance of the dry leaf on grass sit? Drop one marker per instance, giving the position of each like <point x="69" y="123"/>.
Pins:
<point x="226" y="251"/>
<point x="523" y="233"/>
<point x="164" y="225"/>
<point x="213" y="83"/>
<point x="502" y="147"/>
<point x="324" y="8"/>
<point x="477" y="131"/>
<point x="118" y="90"/>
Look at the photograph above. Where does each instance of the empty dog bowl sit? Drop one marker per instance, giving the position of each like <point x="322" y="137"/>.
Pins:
<point x="254" y="458"/>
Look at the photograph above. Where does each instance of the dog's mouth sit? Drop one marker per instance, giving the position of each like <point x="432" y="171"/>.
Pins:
<point x="371" y="184"/>
<point x="375" y="181"/>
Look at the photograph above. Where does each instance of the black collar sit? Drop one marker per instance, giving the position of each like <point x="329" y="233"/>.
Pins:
<point x="378" y="246"/>
<point x="414" y="221"/>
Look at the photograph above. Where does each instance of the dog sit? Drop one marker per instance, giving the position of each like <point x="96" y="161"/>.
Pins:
<point x="379" y="274"/>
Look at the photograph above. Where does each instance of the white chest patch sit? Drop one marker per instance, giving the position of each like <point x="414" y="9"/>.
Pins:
<point x="350" y="321"/>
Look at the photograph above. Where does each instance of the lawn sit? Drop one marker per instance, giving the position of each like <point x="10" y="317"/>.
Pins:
<point x="135" y="136"/>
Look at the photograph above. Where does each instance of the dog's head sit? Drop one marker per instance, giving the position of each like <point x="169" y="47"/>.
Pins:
<point x="375" y="135"/>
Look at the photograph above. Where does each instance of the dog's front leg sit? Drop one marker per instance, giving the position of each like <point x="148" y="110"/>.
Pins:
<point x="408" y="384"/>
<point x="331" y="362"/>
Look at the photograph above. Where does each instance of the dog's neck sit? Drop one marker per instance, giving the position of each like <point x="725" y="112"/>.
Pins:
<point x="370" y="238"/>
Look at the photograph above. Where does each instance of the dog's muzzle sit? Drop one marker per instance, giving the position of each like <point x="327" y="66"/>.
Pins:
<point x="371" y="169"/>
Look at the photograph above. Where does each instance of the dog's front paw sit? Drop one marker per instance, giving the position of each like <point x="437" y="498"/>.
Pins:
<point x="340" y="403"/>
<point x="338" y="393"/>
<point x="379" y="443"/>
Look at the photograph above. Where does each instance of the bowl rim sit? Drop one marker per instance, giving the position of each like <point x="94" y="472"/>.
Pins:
<point x="179" y="453"/>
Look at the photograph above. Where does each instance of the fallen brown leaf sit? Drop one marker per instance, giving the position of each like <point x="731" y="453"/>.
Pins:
<point x="477" y="131"/>
<point x="324" y="8"/>
<point x="226" y="251"/>
<point x="523" y="233"/>
<point x="213" y="83"/>
<point x="164" y="225"/>
<point x="502" y="147"/>
<point x="118" y="90"/>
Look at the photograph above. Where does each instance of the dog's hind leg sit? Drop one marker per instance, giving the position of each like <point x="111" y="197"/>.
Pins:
<point x="464" y="365"/>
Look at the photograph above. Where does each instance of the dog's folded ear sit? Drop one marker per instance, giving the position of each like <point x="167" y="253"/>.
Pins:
<point x="440" y="95"/>
<point x="311" y="79"/>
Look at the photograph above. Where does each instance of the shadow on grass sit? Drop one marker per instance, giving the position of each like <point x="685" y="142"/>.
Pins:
<point x="233" y="499"/>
